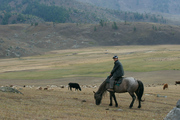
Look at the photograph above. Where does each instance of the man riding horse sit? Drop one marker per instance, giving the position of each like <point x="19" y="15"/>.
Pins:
<point x="129" y="84"/>
<point x="116" y="73"/>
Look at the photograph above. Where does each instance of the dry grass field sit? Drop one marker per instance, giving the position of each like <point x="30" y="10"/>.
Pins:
<point x="153" y="65"/>
<point x="59" y="104"/>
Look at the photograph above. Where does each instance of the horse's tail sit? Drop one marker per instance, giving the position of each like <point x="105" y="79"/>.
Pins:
<point x="140" y="90"/>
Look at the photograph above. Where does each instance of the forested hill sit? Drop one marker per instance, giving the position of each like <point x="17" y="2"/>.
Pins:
<point x="169" y="9"/>
<point x="66" y="11"/>
<point x="163" y="6"/>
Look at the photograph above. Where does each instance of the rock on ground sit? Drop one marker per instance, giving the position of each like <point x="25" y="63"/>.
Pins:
<point x="174" y="114"/>
<point x="9" y="89"/>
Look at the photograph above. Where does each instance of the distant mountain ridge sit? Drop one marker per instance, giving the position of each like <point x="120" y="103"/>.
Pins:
<point x="153" y="6"/>
<point x="68" y="11"/>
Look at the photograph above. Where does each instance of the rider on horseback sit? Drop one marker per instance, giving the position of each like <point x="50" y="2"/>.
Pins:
<point x="117" y="72"/>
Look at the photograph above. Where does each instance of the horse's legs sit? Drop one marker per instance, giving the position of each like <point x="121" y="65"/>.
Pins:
<point x="110" y="99"/>
<point x="133" y="99"/>
<point x="112" y="94"/>
<point x="115" y="99"/>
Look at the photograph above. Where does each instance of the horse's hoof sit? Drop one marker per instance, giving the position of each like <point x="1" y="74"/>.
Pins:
<point x="110" y="104"/>
<point x="139" y="106"/>
<point x="130" y="107"/>
<point x="116" y="105"/>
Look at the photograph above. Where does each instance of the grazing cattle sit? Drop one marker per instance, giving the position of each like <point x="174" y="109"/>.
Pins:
<point x="61" y="86"/>
<point x="177" y="82"/>
<point x="165" y="86"/>
<point x="74" y="85"/>
<point x="46" y="88"/>
<point x="40" y="88"/>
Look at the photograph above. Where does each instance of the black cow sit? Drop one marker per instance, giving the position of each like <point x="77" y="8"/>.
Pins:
<point x="74" y="85"/>
<point x="177" y="82"/>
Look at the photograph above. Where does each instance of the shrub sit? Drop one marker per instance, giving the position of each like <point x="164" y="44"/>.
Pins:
<point x="36" y="24"/>
<point x="101" y="23"/>
<point x="114" y="26"/>
<point x="95" y="29"/>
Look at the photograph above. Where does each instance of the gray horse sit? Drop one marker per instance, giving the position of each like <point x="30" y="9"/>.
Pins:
<point x="129" y="84"/>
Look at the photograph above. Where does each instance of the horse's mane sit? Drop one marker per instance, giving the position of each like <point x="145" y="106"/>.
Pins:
<point x="102" y="88"/>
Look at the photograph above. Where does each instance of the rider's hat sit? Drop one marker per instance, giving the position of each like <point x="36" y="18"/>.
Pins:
<point x="115" y="57"/>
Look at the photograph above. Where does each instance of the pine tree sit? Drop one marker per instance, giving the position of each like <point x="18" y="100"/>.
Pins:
<point x="101" y="23"/>
<point x="95" y="29"/>
<point x="114" y="26"/>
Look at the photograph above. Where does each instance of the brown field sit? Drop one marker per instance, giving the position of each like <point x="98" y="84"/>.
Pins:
<point x="64" y="104"/>
<point x="83" y="65"/>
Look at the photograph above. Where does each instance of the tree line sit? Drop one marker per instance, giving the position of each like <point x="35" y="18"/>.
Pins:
<point x="48" y="13"/>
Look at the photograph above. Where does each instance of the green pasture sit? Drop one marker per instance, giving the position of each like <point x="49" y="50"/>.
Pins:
<point x="135" y="62"/>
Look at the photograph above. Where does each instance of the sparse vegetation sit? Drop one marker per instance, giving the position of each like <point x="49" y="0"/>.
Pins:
<point x="46" y="37"/>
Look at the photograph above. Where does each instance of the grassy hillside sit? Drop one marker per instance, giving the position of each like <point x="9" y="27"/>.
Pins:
<point x="23" y="39"/>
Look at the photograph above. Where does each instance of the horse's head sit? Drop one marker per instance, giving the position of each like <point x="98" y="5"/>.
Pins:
<point x="98" y="98"/>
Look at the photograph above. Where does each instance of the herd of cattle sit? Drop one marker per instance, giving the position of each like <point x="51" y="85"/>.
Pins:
<point x="77" y="87"/>
<point x="70" y="86"/>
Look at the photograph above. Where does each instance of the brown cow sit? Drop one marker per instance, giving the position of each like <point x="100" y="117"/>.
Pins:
<point x="177" y="82"/>
<point x="40" y="88"/>
<point x="165" y="86"/>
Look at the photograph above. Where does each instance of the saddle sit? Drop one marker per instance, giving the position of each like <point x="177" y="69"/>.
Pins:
<point x="117" y="81"/>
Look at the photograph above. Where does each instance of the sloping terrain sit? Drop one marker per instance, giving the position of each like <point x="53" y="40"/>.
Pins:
<point x="23" y="39"/>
